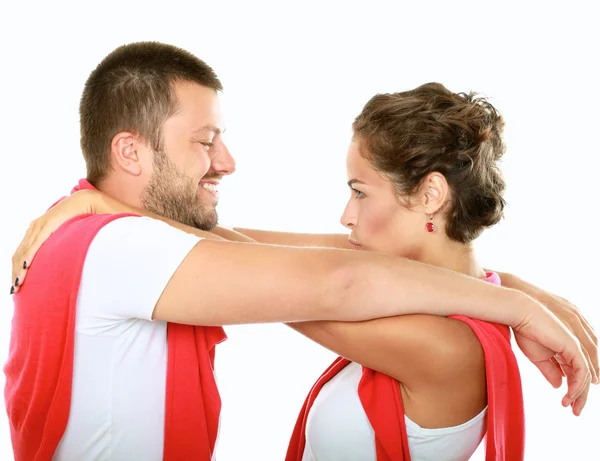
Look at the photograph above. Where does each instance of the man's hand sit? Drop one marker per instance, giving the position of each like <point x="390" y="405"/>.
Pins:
<point x="553" y="369"/>
<point x="548" y="344"/>
<point x="570" y="316"/>
<point x="567" y="313"/>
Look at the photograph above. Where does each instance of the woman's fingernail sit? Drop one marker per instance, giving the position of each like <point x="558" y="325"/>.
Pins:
<point x="17" y="282"/>
<point x="12" y="289"/>
<point x="24" y="264"/>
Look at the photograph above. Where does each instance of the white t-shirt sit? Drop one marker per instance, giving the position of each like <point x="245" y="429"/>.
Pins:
<point x="338" y="428"/>
<point x="119" y="375"/>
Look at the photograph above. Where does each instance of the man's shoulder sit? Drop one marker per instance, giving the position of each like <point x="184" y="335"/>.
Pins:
<point x="105" y="235"/>
<point x="141" y="230"/>
<point x="140" y="239"/>
<point x="84" y="227"/>
<point x="128" y="265"/>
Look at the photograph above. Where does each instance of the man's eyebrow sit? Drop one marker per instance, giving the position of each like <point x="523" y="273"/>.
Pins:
<point x="213" y="128"/>
<point x="354" y="181"/>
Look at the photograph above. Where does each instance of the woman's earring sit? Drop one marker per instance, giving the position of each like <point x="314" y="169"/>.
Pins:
<point x="429" y="226"/>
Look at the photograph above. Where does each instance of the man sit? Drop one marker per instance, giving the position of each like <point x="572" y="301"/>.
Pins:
<point x="102" y="384"/>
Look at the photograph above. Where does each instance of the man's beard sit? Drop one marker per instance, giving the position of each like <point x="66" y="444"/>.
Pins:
<point x="173" y="195"/>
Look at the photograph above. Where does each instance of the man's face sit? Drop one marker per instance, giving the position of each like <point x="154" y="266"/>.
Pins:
<point x="186" y="172"/>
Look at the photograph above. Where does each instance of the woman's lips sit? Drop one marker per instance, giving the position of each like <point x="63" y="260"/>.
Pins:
<point x="356" y="245"/>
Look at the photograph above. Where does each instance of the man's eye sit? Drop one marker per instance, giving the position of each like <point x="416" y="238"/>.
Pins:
<point x="208" y="145"/>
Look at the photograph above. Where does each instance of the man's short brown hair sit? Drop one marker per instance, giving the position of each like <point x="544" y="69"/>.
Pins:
<point x="132" y="90"/>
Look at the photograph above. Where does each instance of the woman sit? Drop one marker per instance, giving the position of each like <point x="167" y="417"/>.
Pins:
<point x="424" y="182"/>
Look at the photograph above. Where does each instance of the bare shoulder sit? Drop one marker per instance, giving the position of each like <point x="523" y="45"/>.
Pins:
<point x="438" y="361"/>
<point x="452" y="338"/>
<point x="448" y="347"/>
<point x="453" y="389"/>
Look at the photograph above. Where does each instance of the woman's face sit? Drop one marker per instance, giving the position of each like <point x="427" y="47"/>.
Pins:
<point x="376" y="217"/>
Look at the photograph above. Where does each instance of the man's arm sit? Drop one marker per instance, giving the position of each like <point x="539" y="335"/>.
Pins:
<point x="221" y="283"/>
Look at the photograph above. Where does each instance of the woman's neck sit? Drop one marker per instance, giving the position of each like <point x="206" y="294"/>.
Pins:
<point x="451" y="255"/>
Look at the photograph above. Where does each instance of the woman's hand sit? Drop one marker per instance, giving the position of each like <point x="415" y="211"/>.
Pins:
<point x="84" y="202"/>
<point x="81" y="202"/>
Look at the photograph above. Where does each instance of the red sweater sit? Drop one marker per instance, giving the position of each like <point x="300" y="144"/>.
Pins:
<point x="39" y="370"/>
<point x="382" y="401"/>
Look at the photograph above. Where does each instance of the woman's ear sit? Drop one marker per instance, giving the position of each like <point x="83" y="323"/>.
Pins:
<point x="435" y="192"/>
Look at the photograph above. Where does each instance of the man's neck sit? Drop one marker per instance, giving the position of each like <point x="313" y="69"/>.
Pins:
<point x="121" y="191"/>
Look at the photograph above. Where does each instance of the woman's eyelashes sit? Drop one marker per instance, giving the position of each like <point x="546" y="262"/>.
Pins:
<point x="357" y="193"/>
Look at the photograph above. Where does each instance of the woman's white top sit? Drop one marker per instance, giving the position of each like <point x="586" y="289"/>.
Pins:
<point x="338" y="429"/>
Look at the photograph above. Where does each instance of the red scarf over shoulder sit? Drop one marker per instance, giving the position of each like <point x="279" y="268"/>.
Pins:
<point x="39" y="370"/>
<point x="382" y="401"/>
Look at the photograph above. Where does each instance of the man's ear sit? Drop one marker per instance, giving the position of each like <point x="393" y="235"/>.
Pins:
<point x="126" y="152"/>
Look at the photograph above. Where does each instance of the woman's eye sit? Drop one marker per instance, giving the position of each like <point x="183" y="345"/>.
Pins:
<point x="358" y="194"/>
<point x="208" y="145"/>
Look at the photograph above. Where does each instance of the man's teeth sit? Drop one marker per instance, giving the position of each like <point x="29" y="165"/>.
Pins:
<point x="209" y="186"/>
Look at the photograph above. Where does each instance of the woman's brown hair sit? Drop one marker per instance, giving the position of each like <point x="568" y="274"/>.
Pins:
<point x="408" y="135"/>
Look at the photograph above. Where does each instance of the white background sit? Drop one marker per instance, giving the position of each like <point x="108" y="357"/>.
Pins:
<point x="295" y="75"/>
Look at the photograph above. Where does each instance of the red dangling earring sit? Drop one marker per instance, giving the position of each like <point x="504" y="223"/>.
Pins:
<point x="429" y="226"/>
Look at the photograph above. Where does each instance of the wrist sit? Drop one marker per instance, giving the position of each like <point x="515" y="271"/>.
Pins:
<point x="522" y="308"/>
<point x="91" y="200"/>
<point x="84" y="201"/>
